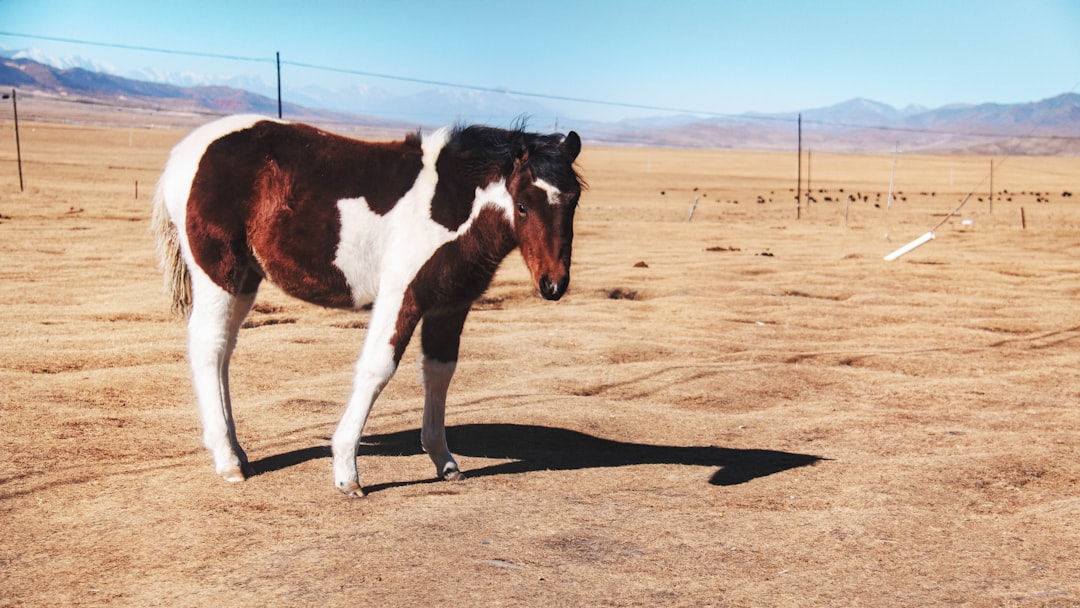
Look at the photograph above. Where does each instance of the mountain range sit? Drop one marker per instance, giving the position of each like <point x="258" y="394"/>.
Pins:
<point x="50" y="85"/>
<point x="1046" y="127"/>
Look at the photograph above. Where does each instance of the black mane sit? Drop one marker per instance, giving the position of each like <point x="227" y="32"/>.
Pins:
<point x="491" y="151"/>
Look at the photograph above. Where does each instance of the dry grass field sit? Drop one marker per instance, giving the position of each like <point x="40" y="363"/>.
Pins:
<point x="742" y="410"/>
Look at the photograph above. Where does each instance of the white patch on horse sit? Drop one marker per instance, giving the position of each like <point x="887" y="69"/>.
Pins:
<point x="552" y="192"/>
<point x="383" y="253"/>
<point x="360" y="247"/>
<point x="494" y="195"/>
<point x="435" y="378"/>
<point x="379" y="253"/>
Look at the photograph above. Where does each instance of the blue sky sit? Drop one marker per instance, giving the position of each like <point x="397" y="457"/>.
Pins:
<point x="713" y="56"/>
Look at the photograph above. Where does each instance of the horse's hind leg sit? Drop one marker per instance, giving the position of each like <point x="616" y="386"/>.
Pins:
<point x="241" y="307"/>
<point x="215" y="321"/>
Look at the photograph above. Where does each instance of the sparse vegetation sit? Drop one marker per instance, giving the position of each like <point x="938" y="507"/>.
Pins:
<point x="815" y="428"/>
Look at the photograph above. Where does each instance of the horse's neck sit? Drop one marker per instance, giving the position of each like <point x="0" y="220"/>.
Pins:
<point x="460" y="270"/>
<point x="490" y="237"/>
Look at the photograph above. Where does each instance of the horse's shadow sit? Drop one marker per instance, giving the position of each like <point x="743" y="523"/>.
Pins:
<point x="540" y="448"/>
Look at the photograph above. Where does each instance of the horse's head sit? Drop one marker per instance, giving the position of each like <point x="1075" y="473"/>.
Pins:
<point x="545" y="189"/>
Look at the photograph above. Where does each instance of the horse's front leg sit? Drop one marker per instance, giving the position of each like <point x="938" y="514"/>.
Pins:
<point x="391" y="326"/>
<point x="440" y="337"/>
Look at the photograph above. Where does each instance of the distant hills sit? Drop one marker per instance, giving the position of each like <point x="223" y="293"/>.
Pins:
<point x="80" y="85"/>
<point x="1047" y="127"/>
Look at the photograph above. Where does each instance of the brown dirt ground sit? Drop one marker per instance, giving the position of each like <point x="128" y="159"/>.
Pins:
<point x="811" y="427"/>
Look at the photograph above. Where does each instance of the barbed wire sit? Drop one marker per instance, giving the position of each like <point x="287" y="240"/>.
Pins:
<point x="785" y="118"/>
<point x="132" y="47"/>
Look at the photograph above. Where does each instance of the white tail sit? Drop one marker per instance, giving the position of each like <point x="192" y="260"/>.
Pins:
<point x="170" y="257"/>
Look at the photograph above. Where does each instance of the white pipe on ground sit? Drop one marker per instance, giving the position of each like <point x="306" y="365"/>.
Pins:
<point x="912" y="245"/>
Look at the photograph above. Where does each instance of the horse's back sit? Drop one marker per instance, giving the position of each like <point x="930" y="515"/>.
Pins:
<point x="256" y="194"/>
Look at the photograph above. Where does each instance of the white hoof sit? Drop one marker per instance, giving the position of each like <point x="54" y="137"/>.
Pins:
<point x="453" y="474"/>
<point x="351" y="489"/>
<point x="233" y="474"/>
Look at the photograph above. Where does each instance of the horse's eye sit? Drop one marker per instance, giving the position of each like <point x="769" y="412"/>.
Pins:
<point x="522" y="209"/>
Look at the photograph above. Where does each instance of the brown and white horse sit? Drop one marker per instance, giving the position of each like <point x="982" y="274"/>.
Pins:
<point x="416" y="227"/>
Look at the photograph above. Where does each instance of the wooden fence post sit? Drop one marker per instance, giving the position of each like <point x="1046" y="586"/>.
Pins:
<point x="798" y="177"/>
<point x="18" y="146"/>
<point x="278" y="55"/>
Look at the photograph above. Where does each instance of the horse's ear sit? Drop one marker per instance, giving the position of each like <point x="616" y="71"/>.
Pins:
<point x="571" y="146"/>
<point x="521" y="153"/>
<point x="521" y="150"/>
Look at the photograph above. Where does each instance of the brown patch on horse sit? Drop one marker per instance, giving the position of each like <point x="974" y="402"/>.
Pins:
<point x="452" y="203"/>
<point x="461" y="270"/>
<point x="264" y="201"/>
<point x="302" y="263"/>
<point x="455" y="276"/>
<point x="408" y="316"/>
<point x="221" y="192"/>
<point x="440" y="334"/>
<point x="473" y="157"/>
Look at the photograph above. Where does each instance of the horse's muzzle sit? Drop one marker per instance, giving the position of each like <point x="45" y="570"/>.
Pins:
<point x="553" y="291"/>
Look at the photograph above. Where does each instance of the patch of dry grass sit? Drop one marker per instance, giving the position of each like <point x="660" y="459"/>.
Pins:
<point x="763" y="413"/>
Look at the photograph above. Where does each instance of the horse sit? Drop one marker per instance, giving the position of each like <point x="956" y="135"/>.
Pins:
<point x="414" y="229"/>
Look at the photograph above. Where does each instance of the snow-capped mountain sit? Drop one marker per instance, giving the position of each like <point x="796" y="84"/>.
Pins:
<point x="61" y="63"/>
<point x="1050" y="126"/>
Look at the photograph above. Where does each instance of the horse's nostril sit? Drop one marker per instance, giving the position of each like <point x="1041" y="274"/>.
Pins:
<point x="563" y="284"/>
<point x="552" y="291"/>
